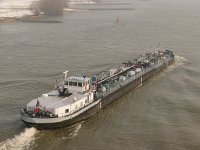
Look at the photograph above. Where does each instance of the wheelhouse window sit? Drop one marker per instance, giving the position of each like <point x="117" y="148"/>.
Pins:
<point x="66" y="110"/>
<point x="66" y="82"/>
<point x="74" y="83"/>
<point x="94" y="79"/>
<point x="79" y="84"/>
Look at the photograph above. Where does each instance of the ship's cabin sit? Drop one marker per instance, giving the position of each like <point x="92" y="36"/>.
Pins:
<point x="77" y="84"/>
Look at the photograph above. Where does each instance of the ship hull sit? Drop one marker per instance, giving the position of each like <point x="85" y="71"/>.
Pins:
<point x="61" y="123"/>
<point x="99" y="104"/>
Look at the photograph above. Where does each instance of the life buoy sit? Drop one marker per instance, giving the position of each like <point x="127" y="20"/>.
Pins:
<point x="37" y="110"/>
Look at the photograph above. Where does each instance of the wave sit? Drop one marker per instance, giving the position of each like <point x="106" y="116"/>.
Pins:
<point x="22" y="141"/>
<point x="75" y="131"/>
<point x="178" y="61"/>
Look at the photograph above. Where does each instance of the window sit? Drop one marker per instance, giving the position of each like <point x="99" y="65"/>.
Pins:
<point x="74" y="83"/>
<point x="79" y="84"/>
<point x="87" y="100"/>
<point x="66" y="82"/>
<point x="66" y="110"/>
<point x="94" y="79"/>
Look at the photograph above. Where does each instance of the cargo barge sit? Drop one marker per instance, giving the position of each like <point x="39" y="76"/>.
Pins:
<point x="79" y="98"/>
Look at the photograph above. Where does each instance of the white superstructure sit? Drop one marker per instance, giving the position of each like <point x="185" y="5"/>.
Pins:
<point x="71" y="96"/>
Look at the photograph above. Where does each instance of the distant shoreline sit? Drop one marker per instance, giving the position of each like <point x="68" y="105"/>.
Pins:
<point x="28" y="18"/>
<point x="33" y="18"/>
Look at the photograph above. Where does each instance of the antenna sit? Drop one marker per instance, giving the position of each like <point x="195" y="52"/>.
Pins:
<point x="151" y="46"/>
<point x="66" y="72"/>
<point x="158" y="44"/>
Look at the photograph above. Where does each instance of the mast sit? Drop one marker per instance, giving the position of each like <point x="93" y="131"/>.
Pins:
<point x="66" y="72"/>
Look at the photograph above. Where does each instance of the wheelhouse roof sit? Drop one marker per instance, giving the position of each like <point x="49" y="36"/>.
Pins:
<point x="53" y="100"/>
<point x="77" y="79"/>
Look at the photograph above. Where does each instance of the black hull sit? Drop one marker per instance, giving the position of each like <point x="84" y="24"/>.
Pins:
<point x="105" y="101"/>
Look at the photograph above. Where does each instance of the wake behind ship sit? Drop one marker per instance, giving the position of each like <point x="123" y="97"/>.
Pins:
<point x="78" y="98"/>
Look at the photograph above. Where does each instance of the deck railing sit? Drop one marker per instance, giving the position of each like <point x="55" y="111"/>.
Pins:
<point x="129" y="79"/>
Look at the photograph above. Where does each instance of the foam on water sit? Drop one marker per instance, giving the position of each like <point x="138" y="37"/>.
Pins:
<point x="21" y="141"/>
<point x="75" y="131"/>
<point x="178" y="61"/>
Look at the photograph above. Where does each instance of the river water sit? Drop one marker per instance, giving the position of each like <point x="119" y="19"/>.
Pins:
<point x="163" y="113"/>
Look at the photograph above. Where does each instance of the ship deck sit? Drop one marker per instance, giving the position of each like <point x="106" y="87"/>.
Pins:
<point x="53" y="100"/>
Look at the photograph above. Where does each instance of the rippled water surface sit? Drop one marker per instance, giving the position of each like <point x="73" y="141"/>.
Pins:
<point x="164" y="113"/>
